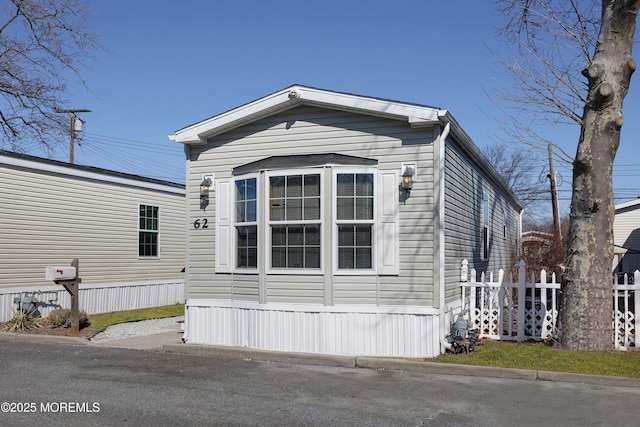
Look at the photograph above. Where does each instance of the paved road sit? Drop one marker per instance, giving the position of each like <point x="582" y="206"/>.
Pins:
<point x="57" y="384"/>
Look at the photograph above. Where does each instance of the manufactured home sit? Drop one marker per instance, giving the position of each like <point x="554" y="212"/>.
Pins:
<point x="126" y="231"/>
<point x="328" y="222"/>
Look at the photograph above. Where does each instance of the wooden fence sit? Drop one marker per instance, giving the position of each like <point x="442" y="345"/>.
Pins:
<point x="520" y="310"/>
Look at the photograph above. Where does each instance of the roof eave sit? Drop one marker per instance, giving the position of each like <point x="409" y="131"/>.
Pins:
<point x="415" y="115"/>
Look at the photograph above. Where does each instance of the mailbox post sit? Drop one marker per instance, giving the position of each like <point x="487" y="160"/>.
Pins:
<point x="69" y="277"/>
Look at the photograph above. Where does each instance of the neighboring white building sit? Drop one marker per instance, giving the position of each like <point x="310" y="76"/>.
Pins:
<point x="121" y="227"/>
<point x="307" y="239"/>
<point x="626" y="237"/>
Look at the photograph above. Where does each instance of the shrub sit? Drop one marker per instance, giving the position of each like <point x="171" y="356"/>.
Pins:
<point x="61" y="318"/>
<point x="21" y="321"/>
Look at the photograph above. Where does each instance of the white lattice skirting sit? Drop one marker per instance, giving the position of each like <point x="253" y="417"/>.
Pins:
<point x="349" y="330"/>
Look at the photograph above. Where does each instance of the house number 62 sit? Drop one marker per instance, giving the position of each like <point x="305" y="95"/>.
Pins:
<point x="200" y="223"/>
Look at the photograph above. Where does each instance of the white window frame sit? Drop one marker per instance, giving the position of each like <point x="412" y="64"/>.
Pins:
<point x="484" y="228"/>
<point x="336" y="222"/>
<point x="157" y="232"/>
<point x="236" y="224"/>
<point x="269" y="223"/>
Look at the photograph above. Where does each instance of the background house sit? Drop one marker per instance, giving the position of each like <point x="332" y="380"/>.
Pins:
<point x="127" y="232"/>
<point x="306" y="236"/>
<point x="626" y="237"/>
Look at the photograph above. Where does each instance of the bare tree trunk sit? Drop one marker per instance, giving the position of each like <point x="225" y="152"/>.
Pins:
<point x="586" y="310"/>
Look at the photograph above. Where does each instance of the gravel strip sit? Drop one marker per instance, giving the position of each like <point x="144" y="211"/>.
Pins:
<point x="135" y="329"/>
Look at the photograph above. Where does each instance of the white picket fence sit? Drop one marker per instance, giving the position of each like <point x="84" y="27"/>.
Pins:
<point x="519" y="310"/>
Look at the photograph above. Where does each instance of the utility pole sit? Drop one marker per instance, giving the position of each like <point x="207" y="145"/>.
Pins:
<point x="554" y="198"/>
<point x="72" y="127"/>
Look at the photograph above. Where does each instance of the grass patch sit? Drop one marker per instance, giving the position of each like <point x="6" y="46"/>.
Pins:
<point x="541" y="356"/>
<point x="99" y="322"/>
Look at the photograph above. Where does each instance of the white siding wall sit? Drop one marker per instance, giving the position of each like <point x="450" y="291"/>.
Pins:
<point x="307" y="130"/>
<point x="51" y="218"/>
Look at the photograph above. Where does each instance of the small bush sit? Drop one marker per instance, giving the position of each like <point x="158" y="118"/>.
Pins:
<point x="21" y="321"/>
<point x="61" y="318"/>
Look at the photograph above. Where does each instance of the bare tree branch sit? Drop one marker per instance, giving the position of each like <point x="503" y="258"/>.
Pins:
<point x="42" y="44"/>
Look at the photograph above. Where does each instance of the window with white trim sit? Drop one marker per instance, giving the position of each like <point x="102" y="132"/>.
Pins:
<point x="295" y="220"/>
<point x="246" y="223"/>
<point x="355" y="220"/>
<point x="283" y="210"/>
<point x="148" y="229"/>
<point x="485" y="226"/>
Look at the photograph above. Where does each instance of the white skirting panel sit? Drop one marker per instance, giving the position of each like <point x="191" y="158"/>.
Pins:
<point x="98" y="297"/>
<point x="354" y="329"/>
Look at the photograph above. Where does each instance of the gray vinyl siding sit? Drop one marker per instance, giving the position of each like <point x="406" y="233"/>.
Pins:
<point x="49" y="218"/>
<point x="304" y="131"/>
<point x="464" y="189"/>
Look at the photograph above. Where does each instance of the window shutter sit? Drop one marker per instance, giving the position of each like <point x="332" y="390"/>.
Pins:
<point x="387" y="233"/>
<point x="224" y="226"/>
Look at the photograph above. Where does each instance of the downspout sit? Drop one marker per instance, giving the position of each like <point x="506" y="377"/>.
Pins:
<point x="441" y="250"/>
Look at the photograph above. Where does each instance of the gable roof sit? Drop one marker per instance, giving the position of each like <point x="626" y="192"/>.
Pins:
<point x="416" y="115"/>
<point x="285" y="99"/>
<point x="88" y="172"/>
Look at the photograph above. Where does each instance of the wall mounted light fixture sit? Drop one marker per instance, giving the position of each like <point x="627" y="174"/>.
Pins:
<point x="205" y="186"/>
<point x="408" y="176"/>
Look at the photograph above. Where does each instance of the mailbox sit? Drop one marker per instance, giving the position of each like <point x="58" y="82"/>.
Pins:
<point x="60" y="273"/>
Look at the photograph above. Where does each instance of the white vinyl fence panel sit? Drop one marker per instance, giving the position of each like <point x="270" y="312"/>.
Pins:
<point x="519" y="310"/>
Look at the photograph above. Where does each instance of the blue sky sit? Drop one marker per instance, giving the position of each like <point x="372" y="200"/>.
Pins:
<point x="173" y="63"/>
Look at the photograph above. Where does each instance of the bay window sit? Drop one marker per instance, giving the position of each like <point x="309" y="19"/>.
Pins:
<point x="274" y="219"/>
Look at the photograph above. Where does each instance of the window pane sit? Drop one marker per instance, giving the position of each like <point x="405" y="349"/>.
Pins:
<point x="345" y="208"/>
<point x="278" y="257"/>
<point x="277" y="210"/>
<point x="295" y="236"/>
<point x="295" y="257"/>
<point x="364" y="185"/>
<point x="345" y="258"/>
<point x="364" y="208"/>
<point x="312" y="236"/>
<point x="312" y="257"/>
<point x="346" y="235"/>
<point x="363" y="235"/>
<point x="312" y="208"/>
<point x="294" y="210"/>
<point x="294" y="186"/>
<point x="311" y="185"/>
<point x="251" y="189"/>
<point x="278" y="236"/>
<point x="240" y="212"/>
<point x="251" y="211"/>
<point x="363" y="258"/>
<point x="276" y="184"/>
<point x="345" y="185"/>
